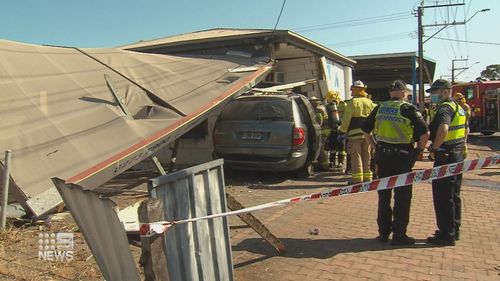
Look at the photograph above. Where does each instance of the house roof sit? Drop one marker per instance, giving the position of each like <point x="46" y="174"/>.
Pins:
<point x="225" y="34"/>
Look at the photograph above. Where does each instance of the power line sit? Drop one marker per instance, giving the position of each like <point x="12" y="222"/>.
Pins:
<point x="467" y="13"/>
<point x="447" y="32"/>
<point x="279" y="16"/>
<point x="376" y="39"/>
<point x="459" y="43"/>
<point x="352" y="20"/>
<point x="355" y="22"/>
<point x="465" y="41"/>
<point x="465" y="27"/>
<point x="456" y="32"/>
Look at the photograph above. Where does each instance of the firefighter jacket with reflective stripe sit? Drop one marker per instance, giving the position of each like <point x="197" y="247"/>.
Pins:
<point x="391" y="126"/>
<point x="457" y="129"/>
<point x="355" y="113"/>
<point x="322" y="117"/>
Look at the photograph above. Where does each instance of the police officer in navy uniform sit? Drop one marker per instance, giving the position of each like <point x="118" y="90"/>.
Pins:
<point x="448" y="132"/>
<point x="397" y="125"/>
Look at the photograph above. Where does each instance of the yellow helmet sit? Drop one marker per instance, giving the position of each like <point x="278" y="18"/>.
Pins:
<point x="332" y="96"/>
<point x="458" y="96"/>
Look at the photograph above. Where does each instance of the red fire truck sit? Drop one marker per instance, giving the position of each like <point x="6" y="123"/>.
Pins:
<point x="484" y="99"/>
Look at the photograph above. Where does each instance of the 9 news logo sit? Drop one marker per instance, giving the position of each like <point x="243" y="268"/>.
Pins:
<point x="55" y="246"/>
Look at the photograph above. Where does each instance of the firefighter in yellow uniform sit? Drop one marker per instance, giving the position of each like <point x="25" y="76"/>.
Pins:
<point x="460" y="99"/>
<point x="343" y="154"/>
<point x="333" y="145"/>
<point x="322" y="118"/>
<point x="358" y="148"/>
<point x="448" y="131"/>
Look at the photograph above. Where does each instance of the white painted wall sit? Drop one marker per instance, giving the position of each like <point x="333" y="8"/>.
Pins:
<point x="348" y="82"/>
<point x="338" y="77"/>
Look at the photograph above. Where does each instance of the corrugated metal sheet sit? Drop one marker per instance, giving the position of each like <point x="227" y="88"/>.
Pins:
<point x="60" y="117"/>
<point x="102" y="230"/>
<point x="195" y="36"/>
<point x="201" y="250"/>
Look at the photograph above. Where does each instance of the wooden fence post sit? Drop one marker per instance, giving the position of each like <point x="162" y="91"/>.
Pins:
<point x="153" y="257"/>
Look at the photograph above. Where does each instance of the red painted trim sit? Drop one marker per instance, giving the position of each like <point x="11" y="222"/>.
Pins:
<point x="100" y="166"/>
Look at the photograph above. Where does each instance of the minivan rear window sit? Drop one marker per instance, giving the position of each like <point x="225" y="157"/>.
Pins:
<point x="258" y="109"/>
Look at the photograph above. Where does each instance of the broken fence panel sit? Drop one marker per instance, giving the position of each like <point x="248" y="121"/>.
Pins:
<point x="202" y="250"/>
<point x="103" y="231"/>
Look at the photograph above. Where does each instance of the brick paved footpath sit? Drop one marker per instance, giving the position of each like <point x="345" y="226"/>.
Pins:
<point x="345" y="249"/>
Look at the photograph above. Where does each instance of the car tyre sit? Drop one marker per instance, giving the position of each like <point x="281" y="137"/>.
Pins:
<point x="305" y="171"/>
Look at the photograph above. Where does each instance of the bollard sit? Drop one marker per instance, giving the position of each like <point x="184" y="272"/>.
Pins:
<point x="5" y="192"/>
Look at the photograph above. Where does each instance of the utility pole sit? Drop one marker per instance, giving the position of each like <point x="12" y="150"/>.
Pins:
<point x="421" y="97"/>
<point x="421" y="42"/>
<point x="420" y="14"/>
<point x="453" y="69"/>
<point x="454" y="76"/>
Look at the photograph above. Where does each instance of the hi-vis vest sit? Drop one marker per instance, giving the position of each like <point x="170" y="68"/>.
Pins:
<point x="456" y="131"/>
<point x="391" y="126"/>
<point x="355" y="113"/>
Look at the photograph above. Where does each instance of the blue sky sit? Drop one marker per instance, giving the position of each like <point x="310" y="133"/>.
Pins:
<point x="97" y="23"/>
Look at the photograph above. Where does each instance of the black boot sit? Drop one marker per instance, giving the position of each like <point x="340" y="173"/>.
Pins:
<point x="382" y="238"/>
<point x="403" y="240"/>
<point x="440" y="240"/>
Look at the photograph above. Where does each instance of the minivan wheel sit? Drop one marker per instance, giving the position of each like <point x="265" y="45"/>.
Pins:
<point x="305" y="171"/>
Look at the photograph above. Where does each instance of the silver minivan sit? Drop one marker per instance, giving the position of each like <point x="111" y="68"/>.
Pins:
<point x="274" y="133"/>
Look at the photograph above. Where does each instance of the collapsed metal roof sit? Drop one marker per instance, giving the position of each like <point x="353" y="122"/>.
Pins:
<point x="60" y="118"/>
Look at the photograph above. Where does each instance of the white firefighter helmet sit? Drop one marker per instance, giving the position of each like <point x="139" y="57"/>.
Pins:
<point x="358" y="84"/>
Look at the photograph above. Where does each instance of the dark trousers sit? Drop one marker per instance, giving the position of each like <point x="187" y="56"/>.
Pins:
<point x="446" y="195"/>
<point x="393" y="219"/>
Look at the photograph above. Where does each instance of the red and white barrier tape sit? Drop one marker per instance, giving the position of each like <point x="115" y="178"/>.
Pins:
<point x="150" y="229"/>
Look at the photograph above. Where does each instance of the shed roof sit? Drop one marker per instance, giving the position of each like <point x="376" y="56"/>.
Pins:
<point x="227" y="34"/>
<point x="382" y="69"/>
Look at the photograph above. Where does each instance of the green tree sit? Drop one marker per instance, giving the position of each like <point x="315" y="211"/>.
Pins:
<point x="492" y="72"/>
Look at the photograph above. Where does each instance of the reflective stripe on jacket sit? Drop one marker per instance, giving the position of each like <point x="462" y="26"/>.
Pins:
<point x="322" y="115"/>
<point x="457" y="128"/>
<point x="356" y="111"/>
<point x="391" y="126"/>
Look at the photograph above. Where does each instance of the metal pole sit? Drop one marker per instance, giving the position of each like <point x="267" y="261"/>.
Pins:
<point x="452" y="72"/>
<point x="414" y="80"/>
<point x="5" y="192"/>
<point x="420" y="12"/>
<point x="453" y="76"/>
